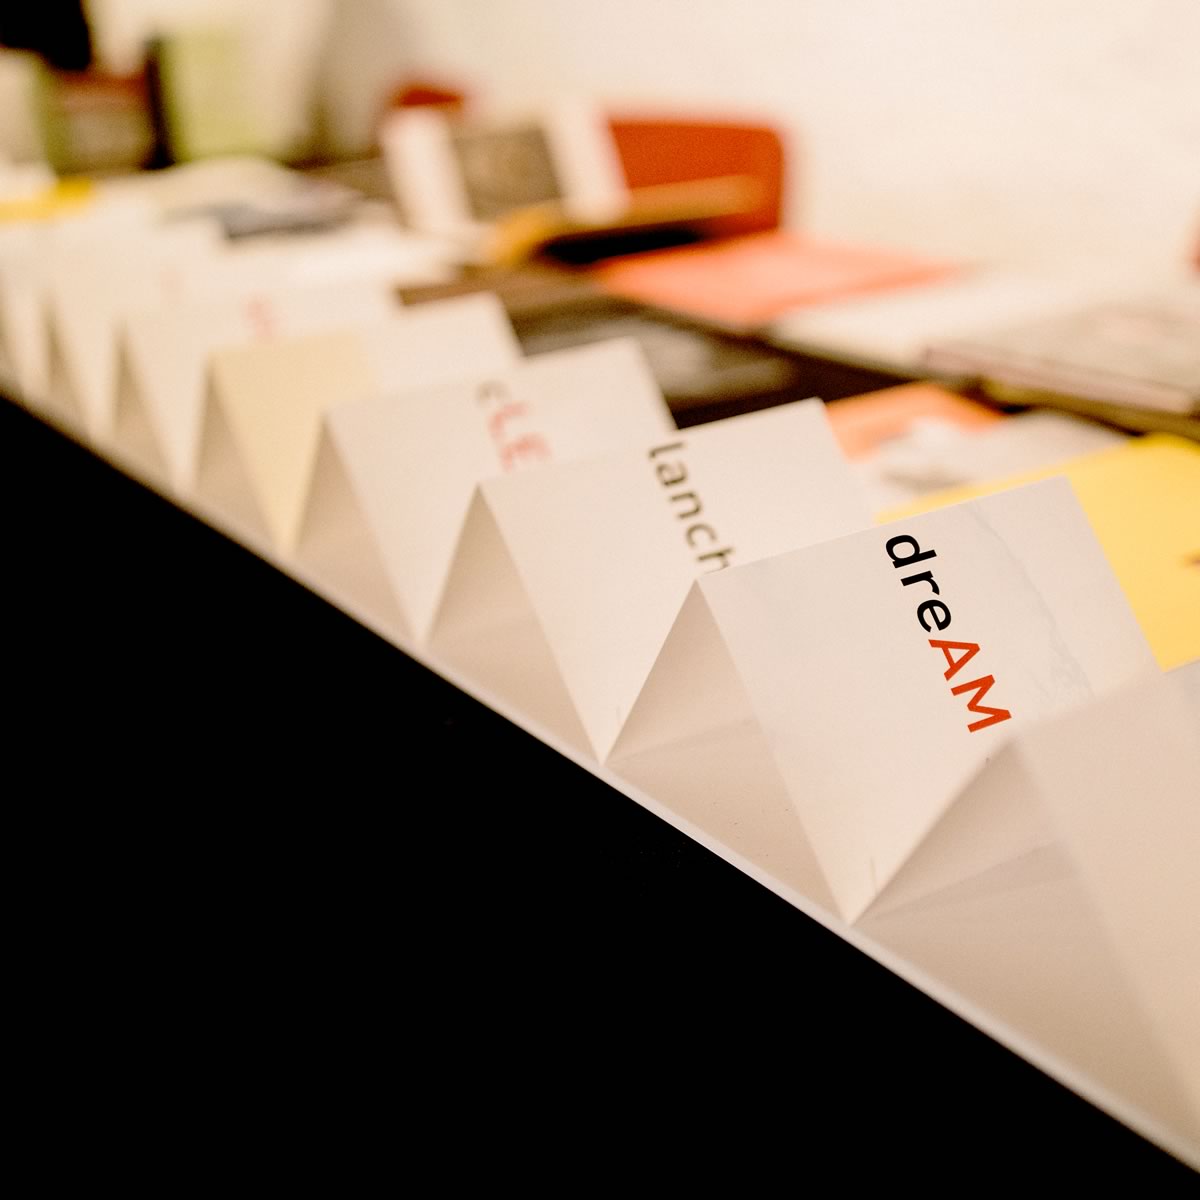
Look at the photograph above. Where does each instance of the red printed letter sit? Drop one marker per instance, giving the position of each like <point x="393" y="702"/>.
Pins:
<point x="532" y="446"/>
<point x="981" y="687"/>
<point x="500" y="418"/>
<point x="971" y="649"/>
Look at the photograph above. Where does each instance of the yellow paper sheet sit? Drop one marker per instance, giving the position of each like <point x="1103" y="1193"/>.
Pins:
<point x="1143" y="500"/>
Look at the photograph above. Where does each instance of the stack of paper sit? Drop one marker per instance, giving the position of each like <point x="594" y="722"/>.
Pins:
<point x="946" y="738"/>
<point x="1143" y="352"/>
<point x="894" y="329"/>
<point x="1130" y="359"/>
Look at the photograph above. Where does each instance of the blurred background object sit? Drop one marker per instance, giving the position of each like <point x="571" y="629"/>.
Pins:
<point x="367" y="53"/>
<point x="655" y="152"/>
<point x="279" y="42"/>
<point x="896" y="175"/>
<point x="1002" y="130"/>
<point x="201" y="95"/>
<point x="54" y="106"/>
<point x="97" y="122"/>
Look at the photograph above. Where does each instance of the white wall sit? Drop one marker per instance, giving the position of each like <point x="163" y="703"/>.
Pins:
<point x="1019" y="130"/>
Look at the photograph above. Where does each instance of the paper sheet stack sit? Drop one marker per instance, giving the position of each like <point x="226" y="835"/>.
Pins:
<point x="945" y="737"/>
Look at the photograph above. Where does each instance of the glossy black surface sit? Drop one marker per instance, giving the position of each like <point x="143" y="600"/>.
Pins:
<point x="264" y="847"/>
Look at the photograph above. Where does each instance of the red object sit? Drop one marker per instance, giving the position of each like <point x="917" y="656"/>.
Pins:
<point x="662" y="151"/>
<point x="420" y="94"/>
<point x="655" y="152"/>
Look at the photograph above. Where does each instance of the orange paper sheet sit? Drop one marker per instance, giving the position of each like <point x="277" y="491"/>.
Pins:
<point x="863" y="423"/>
<point x="750" y="280"/>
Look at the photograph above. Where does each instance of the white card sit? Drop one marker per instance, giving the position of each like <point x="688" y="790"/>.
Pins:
<point x="412" y="461"/>
<point x="268" y="401"/>
<point x="1122" y="782"/>
<point x="440" y="341"/>
<point x="567" y="580"/>
<point x="880" y="699"/>
<point x="90" y="290"/>
<point x="32" y="255"/>
<point x="1087" y="944"/>
<point x="165" y="352"/>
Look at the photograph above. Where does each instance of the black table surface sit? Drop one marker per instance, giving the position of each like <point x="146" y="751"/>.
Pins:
<point x="263" y="845"/>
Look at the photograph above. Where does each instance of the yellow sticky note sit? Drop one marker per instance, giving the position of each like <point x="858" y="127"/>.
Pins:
<point x="1143" y="501"/>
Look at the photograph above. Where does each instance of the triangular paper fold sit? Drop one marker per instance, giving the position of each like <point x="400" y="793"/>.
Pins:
<point x="338" y="546"/>
<point x="431" y="344"/>
<point x="693" y="743"/>
<point x="89" y="294"/>
<point x="33" y="257"/>
<point x="606" y="549"/>
<point x="1121" y="781"/>
<point x="273" y="398"/>
<point x="505" y="645"/>
<point x="415" y="458"/>
<point x="275" y="394"/>
<point x="165" y="355"/>
<point x="882" y="700"/>
<point x="24" y="330"/>
<point x="1088" y="943"/>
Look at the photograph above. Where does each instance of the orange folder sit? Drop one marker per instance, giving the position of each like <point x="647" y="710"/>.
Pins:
<point x="863" y="423"/>
<point x="747" y="281"/>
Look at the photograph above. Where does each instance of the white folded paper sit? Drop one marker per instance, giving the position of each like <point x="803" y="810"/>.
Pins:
<point x="566" y="581"/>
<point x="400" y="470"/>
<point x="90" y="288"/>
<point x="1087" y="944"/>
<point x="268" y="400"/>
<point x="948" y="730"/>
<point x="879" y="674"/>
<point x="1122" y="782"/>
<point x="94" y="283"/>
<point x="31" y="255"/>
<point x="165" y="351"/>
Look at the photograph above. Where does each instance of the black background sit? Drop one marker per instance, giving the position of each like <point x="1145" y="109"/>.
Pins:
<point x="267" y="859"/>
<point x="55" y="29"/>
